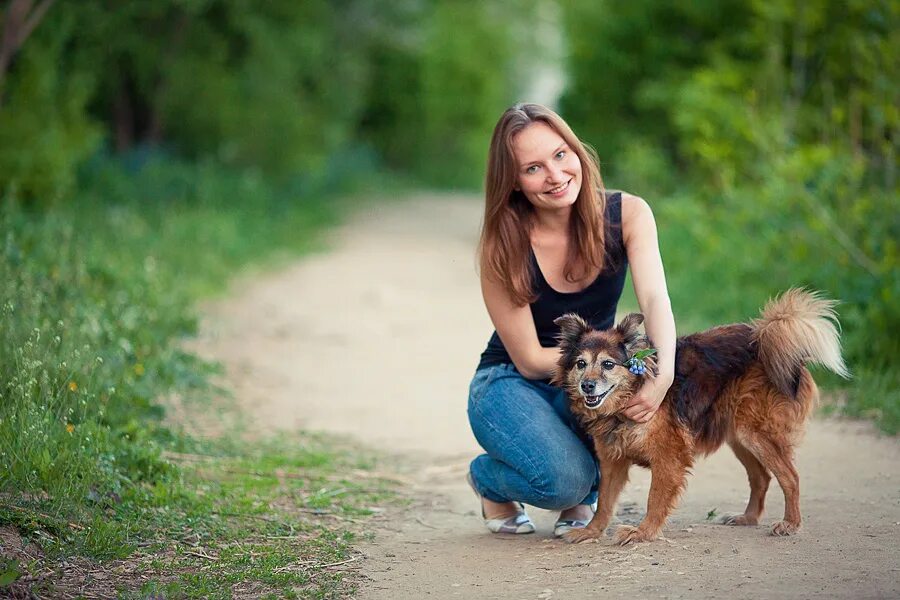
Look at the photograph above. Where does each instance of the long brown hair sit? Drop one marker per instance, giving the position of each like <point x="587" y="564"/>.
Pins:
<point x="505" y="236"/>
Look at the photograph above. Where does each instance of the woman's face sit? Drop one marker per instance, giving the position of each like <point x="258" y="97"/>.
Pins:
<point x="549" y="171"/>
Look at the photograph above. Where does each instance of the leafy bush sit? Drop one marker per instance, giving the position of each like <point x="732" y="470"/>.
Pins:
<point x="97" y="293"/>
<point x="770" y="155"/>
<point x="280" y="86"/>
<point x="45" y="131"/>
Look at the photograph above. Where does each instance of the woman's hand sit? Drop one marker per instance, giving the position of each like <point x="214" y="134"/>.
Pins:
<point x="644" y="404"/>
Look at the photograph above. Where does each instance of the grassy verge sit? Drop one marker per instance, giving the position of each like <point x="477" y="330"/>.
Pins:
<point x="274" y="519"/>
<point x="97" y="293"/>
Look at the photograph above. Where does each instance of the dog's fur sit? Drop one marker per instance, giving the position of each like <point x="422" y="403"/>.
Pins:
<point x="743" y="384"/>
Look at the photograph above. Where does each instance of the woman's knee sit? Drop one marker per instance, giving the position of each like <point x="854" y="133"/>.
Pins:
<point x="495" y="407"/>
<point x="566" y="485"/>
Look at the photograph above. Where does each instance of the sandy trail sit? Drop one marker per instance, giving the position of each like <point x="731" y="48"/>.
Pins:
<point x="377" y="339"/>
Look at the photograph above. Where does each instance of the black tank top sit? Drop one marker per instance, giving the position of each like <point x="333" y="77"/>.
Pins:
<point x="596" y="303"/>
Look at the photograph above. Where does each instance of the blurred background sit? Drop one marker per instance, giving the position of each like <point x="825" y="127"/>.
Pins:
<point x="149" y="149"/>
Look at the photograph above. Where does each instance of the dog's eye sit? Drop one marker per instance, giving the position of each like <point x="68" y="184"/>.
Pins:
<point x="607" y="365"/>
<point x="580" y="363"/>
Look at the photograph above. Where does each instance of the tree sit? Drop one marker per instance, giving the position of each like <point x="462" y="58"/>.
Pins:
<point x="20" y="20"/>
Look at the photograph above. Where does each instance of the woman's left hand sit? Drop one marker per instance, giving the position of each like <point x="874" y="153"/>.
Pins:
<point x="644" y="404"/>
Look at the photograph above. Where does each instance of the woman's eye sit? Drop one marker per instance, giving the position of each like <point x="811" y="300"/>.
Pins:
<point x="561" y="154"/>
<point x="580" y="363"/>
<point x="607" y="364"/>
<point x="531" y="169"/>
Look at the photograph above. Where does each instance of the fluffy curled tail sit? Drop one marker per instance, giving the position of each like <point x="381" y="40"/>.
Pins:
<point x="797" y="328"/>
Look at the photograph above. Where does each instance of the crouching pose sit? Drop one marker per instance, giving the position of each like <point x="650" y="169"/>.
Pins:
<point x="553" y="242"/>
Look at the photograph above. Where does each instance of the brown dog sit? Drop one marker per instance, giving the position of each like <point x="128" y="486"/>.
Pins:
<point x="744" y="384"/>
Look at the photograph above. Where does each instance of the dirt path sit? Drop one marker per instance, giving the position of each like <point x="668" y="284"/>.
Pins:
<point x="378" y="338"/>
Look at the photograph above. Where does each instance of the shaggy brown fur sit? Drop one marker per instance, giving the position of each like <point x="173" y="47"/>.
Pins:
<point x="744" y="384"/>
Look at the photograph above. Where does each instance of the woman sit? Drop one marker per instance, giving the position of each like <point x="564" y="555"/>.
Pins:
<point x="553" y="241"/>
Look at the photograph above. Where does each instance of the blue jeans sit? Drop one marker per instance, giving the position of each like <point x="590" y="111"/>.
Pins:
<point x="536" y="453"/>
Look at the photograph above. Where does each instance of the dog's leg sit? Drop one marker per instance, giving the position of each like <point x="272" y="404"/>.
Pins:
<point x="759" y="479"/>
<point x="778" y="457"/>
<point x="613" y="477"/>
<point x="666" y="485"/>
<point x="789" y="480"/>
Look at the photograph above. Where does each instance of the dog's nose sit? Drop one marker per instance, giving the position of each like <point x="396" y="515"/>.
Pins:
<point x="588" y="386"/>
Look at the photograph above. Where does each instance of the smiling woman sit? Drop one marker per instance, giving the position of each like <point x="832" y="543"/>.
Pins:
<point x="551" y="179"/>
<point x="533" y="154"/>
<point x="553" y="242"/>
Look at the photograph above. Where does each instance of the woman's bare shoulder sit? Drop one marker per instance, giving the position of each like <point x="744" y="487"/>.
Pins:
<point x="633" y="202"/>
<point x="636" y="215"/>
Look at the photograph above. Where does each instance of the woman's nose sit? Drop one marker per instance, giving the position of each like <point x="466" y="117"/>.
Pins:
<point x="554" y="173"/>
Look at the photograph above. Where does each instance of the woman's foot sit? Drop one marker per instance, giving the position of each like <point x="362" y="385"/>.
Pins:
<point x="575" y="517"/>
<point x="579" y="512"/>
<point x="498" y="510"/>
<point x="502" y="517"/>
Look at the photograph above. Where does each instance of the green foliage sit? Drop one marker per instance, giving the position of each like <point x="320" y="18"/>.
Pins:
<point x="271" y="109"/>
<point x="439" y="82"/>
<point x="45" y="131"/>
<point x="276" y="85"/>
<point x="279" y="86"/>
<point x="460" y="37"/>
<point x="98" y="291"/>
<point x="768" y="148"/>
<point x="263" y="513"/>
<point x="9" y="571"/>
<point x="626" y="58"/>
<point x="788" y="160"/>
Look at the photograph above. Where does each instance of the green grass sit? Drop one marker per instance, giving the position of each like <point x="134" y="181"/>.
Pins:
<point x="277" y="516"/>
<point x="98" y="290"/>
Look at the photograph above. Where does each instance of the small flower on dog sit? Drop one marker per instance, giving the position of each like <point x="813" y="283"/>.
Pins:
<point x="636" y="364"/>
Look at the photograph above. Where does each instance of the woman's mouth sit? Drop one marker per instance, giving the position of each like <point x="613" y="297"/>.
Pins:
<point x="559" y="190"/>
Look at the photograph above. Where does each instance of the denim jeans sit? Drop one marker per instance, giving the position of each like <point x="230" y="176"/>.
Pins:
<point x="535" y="451"/>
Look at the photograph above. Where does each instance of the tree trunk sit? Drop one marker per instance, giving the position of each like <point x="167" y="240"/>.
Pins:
<point x="18" y="23"/>
<point x="155" y="130"/>
<point x="123" y="116"/>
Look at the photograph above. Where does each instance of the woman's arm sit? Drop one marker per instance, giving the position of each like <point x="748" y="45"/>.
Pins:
<point x="642" y="246"/>
<point x="515" y="326"/>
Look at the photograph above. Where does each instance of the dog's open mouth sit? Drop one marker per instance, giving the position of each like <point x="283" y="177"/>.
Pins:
<point x="596" y="401"/>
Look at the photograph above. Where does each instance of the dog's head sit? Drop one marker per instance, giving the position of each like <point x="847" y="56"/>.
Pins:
<point x="591" y="368"/>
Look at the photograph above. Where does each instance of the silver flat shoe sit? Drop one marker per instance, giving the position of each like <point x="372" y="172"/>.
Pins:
<point x="517" y="523"/>
<point x="564" y="526"/>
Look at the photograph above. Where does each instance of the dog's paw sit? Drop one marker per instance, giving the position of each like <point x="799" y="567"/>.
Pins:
<point x="737" y="519"/>
<point x="782" y="528"/>
<point x="626" y="534"/>
<point x="584" y="534"/>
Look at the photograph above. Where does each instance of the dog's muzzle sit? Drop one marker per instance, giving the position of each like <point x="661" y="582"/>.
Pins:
<point x="594" y="401"/>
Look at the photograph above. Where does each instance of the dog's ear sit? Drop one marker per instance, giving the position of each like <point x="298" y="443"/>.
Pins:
<point x="628" y="328"/>
<point x="571" y="328"/>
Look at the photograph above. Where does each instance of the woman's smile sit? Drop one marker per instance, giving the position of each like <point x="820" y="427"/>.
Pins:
<point x="549" y="170"/>
<point x="559" y="190"/>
